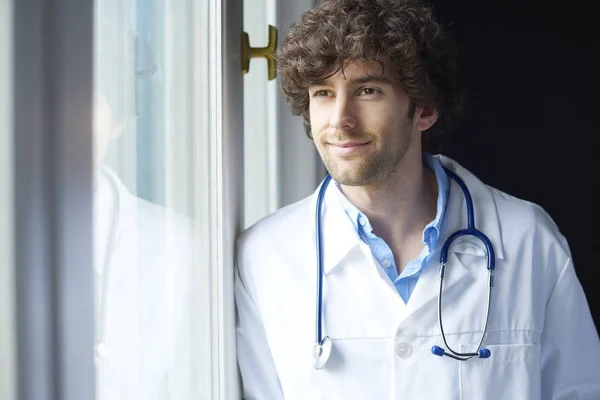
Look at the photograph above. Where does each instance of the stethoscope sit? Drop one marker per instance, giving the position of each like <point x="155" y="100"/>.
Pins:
<point x="323" y="345"/>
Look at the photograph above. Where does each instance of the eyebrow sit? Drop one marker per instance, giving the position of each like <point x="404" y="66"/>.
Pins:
<point x="359" y="80"/>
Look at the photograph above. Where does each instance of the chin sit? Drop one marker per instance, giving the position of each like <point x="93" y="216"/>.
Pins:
<point x="352" y="177"/>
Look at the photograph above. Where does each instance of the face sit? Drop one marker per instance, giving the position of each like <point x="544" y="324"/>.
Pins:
<point x="360" y="123"/>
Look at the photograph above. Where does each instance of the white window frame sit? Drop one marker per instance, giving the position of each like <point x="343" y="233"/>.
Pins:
<point x="7" y="312"/>
<point x="261" y="147"/>
<point x="227" y="183"/>
<point x="281" y="164"/>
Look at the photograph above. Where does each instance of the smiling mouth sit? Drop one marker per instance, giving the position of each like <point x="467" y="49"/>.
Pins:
<point x="348" y="148"/>
<point x="352" y="144"/>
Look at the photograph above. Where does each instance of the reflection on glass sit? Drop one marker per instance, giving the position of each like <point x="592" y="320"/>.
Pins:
<point x="143" y="205"/>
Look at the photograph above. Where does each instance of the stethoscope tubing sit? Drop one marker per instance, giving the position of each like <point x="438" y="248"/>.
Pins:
<point x="471" y="230"/>
<point x="319" y="322"/>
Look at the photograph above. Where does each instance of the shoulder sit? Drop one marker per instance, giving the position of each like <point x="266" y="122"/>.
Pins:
<point x="522" y="224"/>
<point x="277" y="228"/>
<point x="529" y="222"/>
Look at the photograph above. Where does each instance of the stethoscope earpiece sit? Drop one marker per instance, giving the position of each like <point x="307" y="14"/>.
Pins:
<point x="481" y="353"/>
<point x="438" y="351"/>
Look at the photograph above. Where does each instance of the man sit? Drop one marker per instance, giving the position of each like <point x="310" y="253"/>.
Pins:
<point x="376" y="81"/>
<point x="143" y="264"/>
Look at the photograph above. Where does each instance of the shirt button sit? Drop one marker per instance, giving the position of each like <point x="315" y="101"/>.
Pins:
<point x="403" y="350"/>
<point x="101" y="350"/>
<point x="362" y="221"/>
<point x="386" y="263"/>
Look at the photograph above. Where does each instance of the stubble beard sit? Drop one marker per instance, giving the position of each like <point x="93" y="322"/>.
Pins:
<point x="377" y="166"/>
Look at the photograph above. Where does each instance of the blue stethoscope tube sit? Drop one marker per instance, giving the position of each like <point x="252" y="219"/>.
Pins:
<point x="320" y="340"/>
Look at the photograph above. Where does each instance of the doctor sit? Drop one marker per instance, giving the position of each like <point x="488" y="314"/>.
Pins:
<point x="142" y="273"/>
<point x="338" y="295"/>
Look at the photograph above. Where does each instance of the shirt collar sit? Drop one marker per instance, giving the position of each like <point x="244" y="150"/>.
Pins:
<point x="340" y="235"/>
<point x="351" y="211"/>
<point x="432" y="231"/>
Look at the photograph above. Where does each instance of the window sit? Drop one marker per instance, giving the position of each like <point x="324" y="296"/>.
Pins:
<point x="152" y="200"/>
<point x="123" y="256"/>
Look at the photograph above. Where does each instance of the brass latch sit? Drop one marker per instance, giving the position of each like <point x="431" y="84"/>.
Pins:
<point x="254" y="52"/>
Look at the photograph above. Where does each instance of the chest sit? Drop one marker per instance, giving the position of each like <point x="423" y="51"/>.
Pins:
<point x="382" y="346"/>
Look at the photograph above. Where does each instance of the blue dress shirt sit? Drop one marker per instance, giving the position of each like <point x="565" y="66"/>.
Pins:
<point x="405" y="282"/>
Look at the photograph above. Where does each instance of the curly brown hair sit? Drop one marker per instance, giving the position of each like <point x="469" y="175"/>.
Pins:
<point x="405" y="32"/>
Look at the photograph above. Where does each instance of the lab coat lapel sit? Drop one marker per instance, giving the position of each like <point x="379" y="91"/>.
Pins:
<point x="457" y="274"/>
<point x="349" y="260"/>
<point x="426" y="290"/>
<point x="338" y="234"/>
<point x="421" y="317"/>
<point x="339" y="237"/>
<point x="485" y="211"/>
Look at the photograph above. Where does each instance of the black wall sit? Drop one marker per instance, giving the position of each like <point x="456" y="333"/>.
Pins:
<point x="530" y="126"/>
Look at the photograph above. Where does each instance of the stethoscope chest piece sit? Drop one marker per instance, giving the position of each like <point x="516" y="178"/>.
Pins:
<point x="321" y="353"/>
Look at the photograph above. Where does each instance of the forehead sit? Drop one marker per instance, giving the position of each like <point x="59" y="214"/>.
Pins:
<point x="362" y="71"/>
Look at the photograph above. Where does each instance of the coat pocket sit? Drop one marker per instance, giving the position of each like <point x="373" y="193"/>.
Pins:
<point x="512" y="372"/>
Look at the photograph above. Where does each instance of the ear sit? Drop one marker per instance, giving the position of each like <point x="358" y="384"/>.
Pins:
<point x="425" y="117"/>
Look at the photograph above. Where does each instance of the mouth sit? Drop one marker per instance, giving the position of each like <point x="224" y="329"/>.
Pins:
<point x="348" y="148"/>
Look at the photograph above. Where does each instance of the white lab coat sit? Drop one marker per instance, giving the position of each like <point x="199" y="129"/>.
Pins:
<point x="142" y="346"/>
<point x="541" y="335"/>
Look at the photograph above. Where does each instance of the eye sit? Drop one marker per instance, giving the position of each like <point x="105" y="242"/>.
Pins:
<point x="321" y="93"/>
<point x="370" y="91"/>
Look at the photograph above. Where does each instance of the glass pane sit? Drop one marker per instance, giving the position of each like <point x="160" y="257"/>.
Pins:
<point x="149" y="206"/>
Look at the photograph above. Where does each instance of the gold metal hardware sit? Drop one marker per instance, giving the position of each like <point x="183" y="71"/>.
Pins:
<point x="264" y="52"/>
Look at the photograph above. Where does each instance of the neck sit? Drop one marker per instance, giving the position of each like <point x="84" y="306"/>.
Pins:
<point x="400" y="206"/>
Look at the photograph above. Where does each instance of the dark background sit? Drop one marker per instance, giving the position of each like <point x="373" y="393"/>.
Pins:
<point x="530" y="128"/>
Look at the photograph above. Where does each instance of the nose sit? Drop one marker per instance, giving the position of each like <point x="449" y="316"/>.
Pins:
<point x="342" y="116"/>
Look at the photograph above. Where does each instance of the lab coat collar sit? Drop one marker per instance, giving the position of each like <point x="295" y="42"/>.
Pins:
<point x="459" y="275"/>
<point x="485" y="211"/>
<point x="339" y="236"/>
